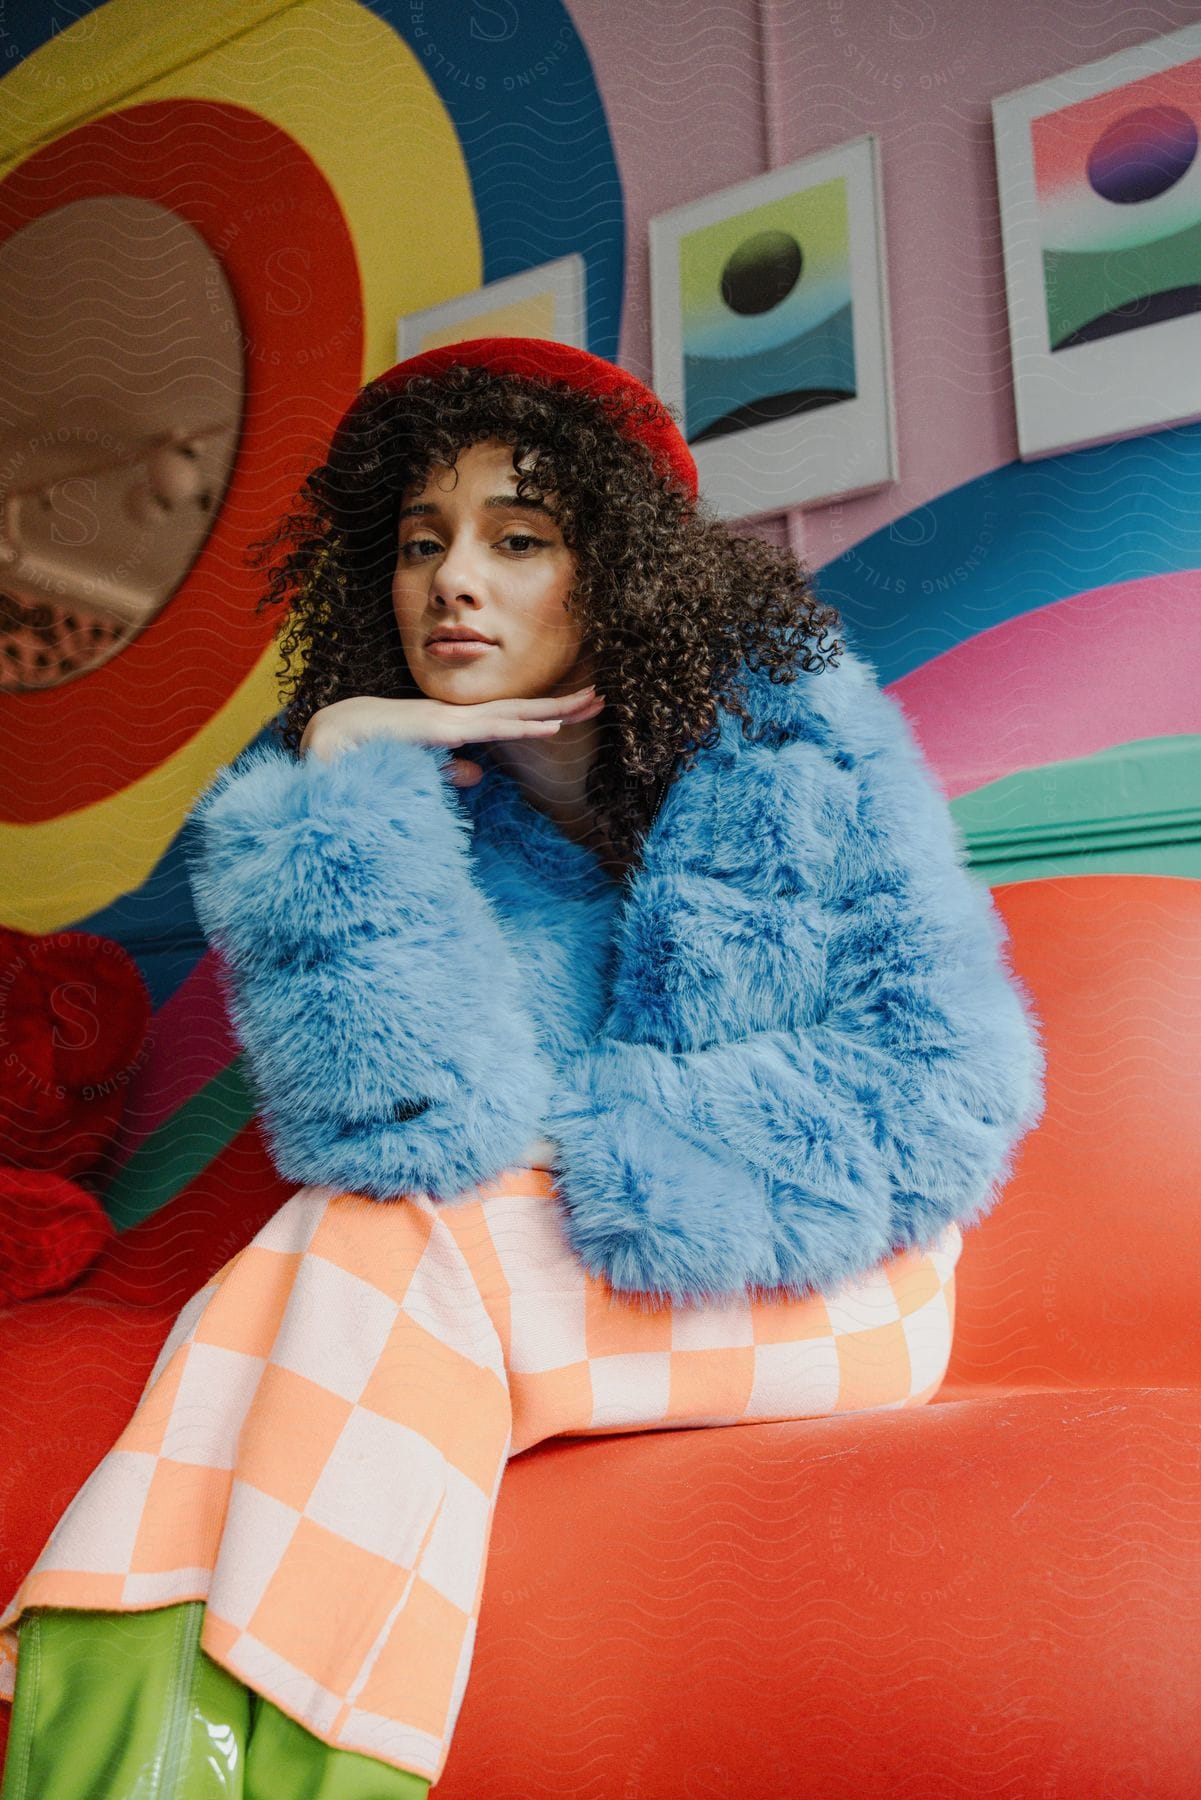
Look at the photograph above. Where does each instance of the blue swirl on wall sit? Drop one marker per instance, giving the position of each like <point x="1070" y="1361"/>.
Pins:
<point x="1016" y="539"/>
<point x="518" y="86"/>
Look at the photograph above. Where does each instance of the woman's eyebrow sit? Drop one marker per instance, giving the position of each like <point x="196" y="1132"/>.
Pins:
<point x="499" y="502"/>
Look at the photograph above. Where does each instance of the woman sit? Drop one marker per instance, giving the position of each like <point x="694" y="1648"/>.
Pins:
<point x="696" y="939"/>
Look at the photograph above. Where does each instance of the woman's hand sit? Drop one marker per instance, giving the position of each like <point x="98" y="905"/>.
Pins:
<point x="347" y="723"/>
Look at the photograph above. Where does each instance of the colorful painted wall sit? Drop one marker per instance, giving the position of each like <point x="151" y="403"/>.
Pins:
<point x="350" y="162"/>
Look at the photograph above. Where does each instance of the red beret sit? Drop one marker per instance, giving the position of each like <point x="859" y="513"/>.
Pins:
<point x="544" y="358"/>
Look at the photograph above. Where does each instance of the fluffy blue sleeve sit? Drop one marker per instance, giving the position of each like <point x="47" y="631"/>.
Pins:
<point x="852" y="1061"/>
<point x="366" y="976"/>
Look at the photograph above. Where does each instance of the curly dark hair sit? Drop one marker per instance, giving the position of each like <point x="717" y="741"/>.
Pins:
<point x="668" y="599"/>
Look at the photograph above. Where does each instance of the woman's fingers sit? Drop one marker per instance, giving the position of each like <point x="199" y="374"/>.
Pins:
<point x="493" y="721"/>
<point x="495" y="728"/>
<point x="542" y="706"/>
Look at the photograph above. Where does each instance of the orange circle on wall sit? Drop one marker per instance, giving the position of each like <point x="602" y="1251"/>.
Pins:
<point x="264" y="208"/>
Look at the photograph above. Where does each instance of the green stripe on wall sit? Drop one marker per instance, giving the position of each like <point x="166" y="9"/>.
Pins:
<point x="182" y="1147"/>
<point x="1132" y="810"/>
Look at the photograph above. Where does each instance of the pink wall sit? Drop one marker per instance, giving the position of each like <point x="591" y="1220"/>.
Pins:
<point x="701" y="97"/>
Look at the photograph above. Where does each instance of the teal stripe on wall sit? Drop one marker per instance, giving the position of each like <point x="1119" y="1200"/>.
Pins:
<point x="1134" y="809"/>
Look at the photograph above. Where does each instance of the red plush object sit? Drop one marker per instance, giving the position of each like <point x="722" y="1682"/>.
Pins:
<point x="74" y="1013"/>
<point x="53" y="1230"/>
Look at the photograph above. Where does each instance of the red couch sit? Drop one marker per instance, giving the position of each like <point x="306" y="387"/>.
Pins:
<point x="998" y="1593"/>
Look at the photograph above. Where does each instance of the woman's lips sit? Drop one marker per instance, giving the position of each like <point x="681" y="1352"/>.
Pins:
<point x="457" y="649"/>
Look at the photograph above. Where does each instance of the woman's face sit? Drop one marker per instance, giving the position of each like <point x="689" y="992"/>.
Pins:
<point x="469" y="552"/>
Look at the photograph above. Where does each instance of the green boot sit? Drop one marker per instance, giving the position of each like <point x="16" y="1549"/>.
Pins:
<point x="123" y="1705"/>
<point x="127" y="1706"/>
<point x="285" y="1759"/>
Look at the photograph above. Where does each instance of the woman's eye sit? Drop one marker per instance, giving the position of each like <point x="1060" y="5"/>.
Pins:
<point x="519" y="538"/>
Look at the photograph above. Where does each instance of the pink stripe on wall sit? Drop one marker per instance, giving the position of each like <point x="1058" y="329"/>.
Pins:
<point x="995" y="704"/>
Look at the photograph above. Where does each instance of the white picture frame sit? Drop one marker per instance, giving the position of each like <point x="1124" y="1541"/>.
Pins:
<point x="1097" y="353"/>
<point x="771" y="335"/>
<point x="548" y="301"/>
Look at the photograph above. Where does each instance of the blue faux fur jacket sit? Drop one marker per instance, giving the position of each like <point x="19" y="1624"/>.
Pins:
<point x="789" y="1046"/>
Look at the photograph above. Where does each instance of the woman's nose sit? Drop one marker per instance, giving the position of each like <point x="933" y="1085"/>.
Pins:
<point x="458" y="574"/>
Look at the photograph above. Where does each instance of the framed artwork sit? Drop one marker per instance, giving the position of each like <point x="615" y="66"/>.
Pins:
<point x="546" y="302"/>
<point x="1100" y="190"/>
<point x="770" y="329"/>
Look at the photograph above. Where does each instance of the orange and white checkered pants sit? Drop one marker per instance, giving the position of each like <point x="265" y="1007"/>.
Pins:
<point x="318" y="1450"/>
